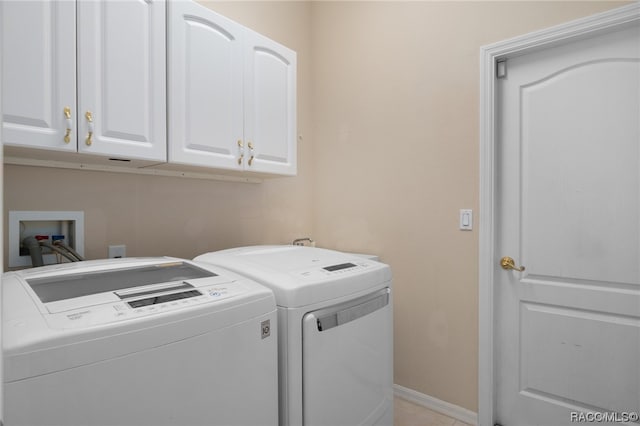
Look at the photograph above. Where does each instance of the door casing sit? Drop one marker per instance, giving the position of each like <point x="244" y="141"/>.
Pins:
<point x="489" y="56"/>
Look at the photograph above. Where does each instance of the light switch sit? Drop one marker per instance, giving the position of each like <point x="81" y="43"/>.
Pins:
<point x="466" y="219"/>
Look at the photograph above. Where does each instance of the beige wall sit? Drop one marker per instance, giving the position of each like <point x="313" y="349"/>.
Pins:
<point x="388" y="111"/>
<point x="395" y="118"/>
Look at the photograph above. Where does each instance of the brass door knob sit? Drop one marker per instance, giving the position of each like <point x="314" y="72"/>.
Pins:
<point x="508" y="263"/>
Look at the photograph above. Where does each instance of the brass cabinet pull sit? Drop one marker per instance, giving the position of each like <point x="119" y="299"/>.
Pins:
<point x="250" y="145"/>
<point x="240" y="151"/>
<point x="89" y="116"/>
<point x="508" y="263"/>
<point x="67" y="115"/>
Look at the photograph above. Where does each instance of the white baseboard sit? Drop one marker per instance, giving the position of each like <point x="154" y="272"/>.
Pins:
<point x="435" y="404"/>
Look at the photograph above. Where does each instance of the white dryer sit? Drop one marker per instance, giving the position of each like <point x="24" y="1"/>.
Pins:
<point x="154" y="341"/>
<point x="335" y="331"/>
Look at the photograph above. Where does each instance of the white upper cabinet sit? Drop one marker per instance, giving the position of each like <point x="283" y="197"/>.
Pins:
<point x="109" y="78"/>
<point x="232" y="95"/>
<point x="122" y="78"/>
<point x="38" y="73"/>
<point x="269" y="105"/>
<point x="205" y="87"/>
<point x="119" y="50"/>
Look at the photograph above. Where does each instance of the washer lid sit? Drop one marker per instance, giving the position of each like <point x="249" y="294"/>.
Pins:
<point x="54" y="288"/>
<point x="93" y="325"/>
<point x="300" y="275"/>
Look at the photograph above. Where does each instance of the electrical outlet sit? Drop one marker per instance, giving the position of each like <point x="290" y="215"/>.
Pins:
<point x="117" y="251"/>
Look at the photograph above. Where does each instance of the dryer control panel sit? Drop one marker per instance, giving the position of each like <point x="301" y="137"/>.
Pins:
<point x="334" y="270"/>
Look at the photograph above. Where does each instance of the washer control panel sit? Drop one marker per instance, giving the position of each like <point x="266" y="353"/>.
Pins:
<point x="143" y="306"/>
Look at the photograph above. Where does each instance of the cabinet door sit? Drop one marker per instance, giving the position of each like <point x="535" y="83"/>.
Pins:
<point x="270" y="105"/>
<point x="38" y="73"/>
<point x="205" y="88"/>
<point x="122" y="78"/>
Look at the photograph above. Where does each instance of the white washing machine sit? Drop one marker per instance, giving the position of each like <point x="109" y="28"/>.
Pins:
<point x="335" y="331"/>
<point x="154" y="341"/>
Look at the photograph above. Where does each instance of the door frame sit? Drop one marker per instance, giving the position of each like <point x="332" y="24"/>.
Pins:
<point x="490" y="55"/>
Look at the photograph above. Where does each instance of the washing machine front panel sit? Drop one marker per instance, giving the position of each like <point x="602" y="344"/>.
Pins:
<point x="348" y="363"/>
<point x="193" y="382"/>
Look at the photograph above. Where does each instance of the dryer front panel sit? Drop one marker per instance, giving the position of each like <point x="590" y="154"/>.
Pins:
<point x="348" y="363"/>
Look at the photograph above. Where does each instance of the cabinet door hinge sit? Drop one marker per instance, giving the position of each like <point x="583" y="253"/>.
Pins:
<point x="501" y="68"/>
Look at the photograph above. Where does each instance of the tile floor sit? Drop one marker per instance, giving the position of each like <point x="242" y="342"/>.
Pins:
<point x="409" y="414"/>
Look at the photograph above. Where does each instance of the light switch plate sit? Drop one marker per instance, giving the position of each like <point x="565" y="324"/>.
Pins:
<point x="466" y="219"/>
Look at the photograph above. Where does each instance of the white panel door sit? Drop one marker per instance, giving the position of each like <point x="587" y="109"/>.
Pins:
<point x="205" y="88"/>
<point x="270" y="105"/>
<point x="568" y="326"/>
<point x="38" y="73"/>
<point x="122" y="78"/>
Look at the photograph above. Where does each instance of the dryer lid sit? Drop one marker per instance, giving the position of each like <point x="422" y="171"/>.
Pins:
<point x="300" y="275"/>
